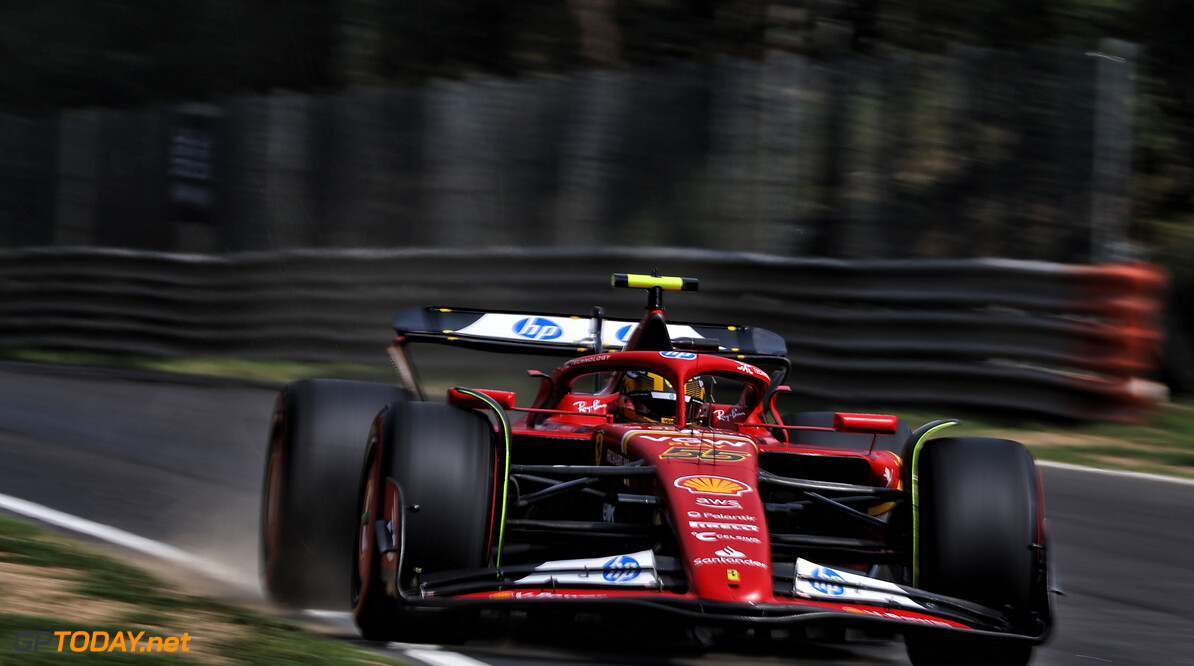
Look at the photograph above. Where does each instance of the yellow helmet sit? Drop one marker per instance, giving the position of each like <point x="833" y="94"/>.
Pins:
<point x="650" y="398"/>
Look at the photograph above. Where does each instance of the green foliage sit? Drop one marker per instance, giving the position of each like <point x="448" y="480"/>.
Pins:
<point x="158" y="609"/>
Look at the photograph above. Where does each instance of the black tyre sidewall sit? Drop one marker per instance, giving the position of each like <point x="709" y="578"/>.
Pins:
<point x="320" y="430"/>
<point x="373" y="610"/>
<point x="979" y="522"/>
<point x="442" y="458"/>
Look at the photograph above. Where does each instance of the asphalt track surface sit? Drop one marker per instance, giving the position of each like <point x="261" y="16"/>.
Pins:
<point x="180" y="462"/>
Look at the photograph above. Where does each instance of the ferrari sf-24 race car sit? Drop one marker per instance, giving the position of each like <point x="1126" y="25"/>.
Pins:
<point x="652" y="475"/>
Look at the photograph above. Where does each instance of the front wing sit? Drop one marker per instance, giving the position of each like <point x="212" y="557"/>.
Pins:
<point x="805" y="594"/>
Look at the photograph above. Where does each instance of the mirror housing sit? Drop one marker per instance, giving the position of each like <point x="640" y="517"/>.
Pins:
<point x="459" y="399"/>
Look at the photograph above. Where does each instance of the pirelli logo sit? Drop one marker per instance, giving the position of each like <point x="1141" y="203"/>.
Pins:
<point x="729" y="527"/>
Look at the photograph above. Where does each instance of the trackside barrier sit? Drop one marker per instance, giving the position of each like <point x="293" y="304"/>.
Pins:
<point x="1062" y="340"/>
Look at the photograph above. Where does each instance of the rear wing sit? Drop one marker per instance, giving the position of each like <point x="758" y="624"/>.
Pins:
<point x="573" y="335"/>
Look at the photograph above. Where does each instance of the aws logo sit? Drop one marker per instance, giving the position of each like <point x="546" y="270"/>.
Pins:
<point x="537" y="328"/>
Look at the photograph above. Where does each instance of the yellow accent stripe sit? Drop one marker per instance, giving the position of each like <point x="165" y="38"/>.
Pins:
<point x="507" y="437"/>
<point x="639" y="281"/>
<point x="646" y="281"/>
<point x="916" y="497"/>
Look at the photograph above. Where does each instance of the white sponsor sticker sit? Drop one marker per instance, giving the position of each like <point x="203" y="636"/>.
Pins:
<point x="729" y="561"/>
<point x="707" y="515"/>
<point x="634" y="569"/>
<point x="570" y="330"/>
<point x="592" y="406"/>
<point x="717" y="536"/>
<point x="719" y="503"/>
<point x="728" y="527"/>
<point x="821" y="582"/>
<point x="528" y="327"/>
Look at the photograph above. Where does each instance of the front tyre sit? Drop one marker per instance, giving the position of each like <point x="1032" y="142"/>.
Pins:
<point x="442" y="459"/>
<point x="978" y="538"/>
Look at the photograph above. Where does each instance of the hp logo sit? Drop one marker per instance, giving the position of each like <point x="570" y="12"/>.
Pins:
<point x="537" y="328"/>
<point x="621" y="569"/>
<point x="825" y="574"/>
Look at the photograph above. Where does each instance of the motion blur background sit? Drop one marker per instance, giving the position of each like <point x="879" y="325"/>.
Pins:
<point x="1057" y="131"/>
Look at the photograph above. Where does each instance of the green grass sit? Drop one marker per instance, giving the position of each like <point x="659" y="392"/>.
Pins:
<point x="69" y="574"/>
<point x="1163" y="443"/>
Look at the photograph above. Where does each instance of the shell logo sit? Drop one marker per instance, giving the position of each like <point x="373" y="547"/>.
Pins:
<point x="711" y="485"/>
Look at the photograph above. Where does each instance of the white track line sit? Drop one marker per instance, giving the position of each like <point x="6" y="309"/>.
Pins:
<point x="1113" y="472"/>
<point x="121" y="538"/>
<point x="425" y="654"/>
<point x="436" y="657"/>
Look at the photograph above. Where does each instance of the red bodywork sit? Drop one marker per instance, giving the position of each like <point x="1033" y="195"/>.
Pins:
<point x="706" y="471"/>
<point x="703" y="477"/>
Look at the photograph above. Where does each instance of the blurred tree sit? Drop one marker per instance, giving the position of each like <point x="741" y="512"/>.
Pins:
<point x="120" y="52"/>
<point x="600" y="35"/>
<point x="457" y="37"/>
<point x="62" y="53"/>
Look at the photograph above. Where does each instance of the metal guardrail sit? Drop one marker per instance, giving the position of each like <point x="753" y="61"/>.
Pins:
<point x="1063" y="340"/>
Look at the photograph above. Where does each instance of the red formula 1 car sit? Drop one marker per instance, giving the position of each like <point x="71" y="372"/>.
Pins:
<point x="652" y="475"/>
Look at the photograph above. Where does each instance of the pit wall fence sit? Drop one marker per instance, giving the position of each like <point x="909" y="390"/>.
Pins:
<point x="1061" y="340"/>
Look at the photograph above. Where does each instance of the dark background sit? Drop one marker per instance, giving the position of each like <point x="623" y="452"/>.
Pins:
<point x="1056" y="130"/>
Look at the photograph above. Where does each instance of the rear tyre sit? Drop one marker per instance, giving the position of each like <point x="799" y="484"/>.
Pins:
<point x="313" y="463"/>
<point x="443" y="460"/>
<point x="979" y="540"/>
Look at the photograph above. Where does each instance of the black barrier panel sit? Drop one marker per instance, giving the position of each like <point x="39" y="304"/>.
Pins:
<point x="1076" y="341"/>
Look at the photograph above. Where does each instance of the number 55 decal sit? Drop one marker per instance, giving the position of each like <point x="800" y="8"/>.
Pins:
<point x="704" y="455"/>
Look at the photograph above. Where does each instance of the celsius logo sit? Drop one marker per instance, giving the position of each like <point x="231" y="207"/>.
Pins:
<point x="537" y="328"/>
<point x="620" y="569"/>
<point x="623" y="333"/>
<point x="687" y="356"/>
<point x="825" y="581"/>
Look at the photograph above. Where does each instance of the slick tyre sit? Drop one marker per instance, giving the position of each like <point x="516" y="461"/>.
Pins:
<point x="978" y="538"/>
<point x="442" y="459"/>
<point x="313" y="463"/>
